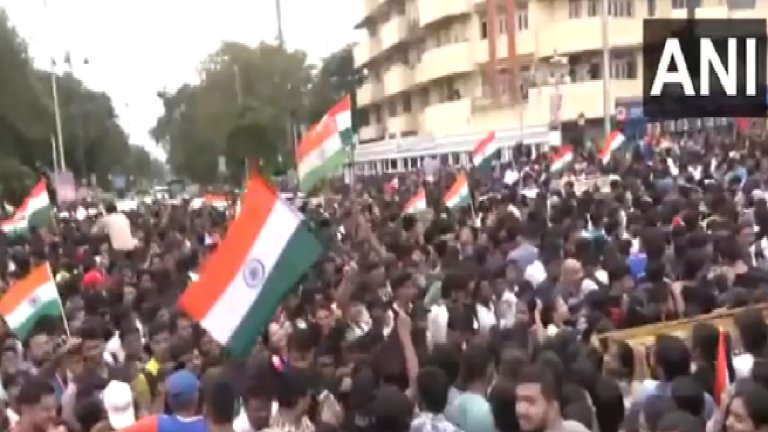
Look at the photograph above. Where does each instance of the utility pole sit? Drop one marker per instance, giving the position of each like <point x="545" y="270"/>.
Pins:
<point x="290" y="126"/>
<point x="279" y="13"/>
<point x="607" y="109"/>
<point x="57" y="115"/>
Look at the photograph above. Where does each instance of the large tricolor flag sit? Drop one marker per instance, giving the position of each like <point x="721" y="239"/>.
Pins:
<point x="34" y="211"/>
<point x="417" y="203"/>
<point x="612" y="143"/>
<point x="560" y="160"/>
<point x="320" y="155"/>
<point x="29" y="299"/>
<point x="267" y="249"/>
<point x="484" y="149"/>
<point x="458" y="195"/>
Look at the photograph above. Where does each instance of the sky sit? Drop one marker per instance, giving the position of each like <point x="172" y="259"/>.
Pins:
<point x="135" y="48"/>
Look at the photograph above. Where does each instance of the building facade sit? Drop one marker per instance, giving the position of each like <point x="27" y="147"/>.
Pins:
<point x="441" y="68"/>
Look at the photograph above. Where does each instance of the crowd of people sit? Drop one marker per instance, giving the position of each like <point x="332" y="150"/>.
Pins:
<point x="495" y="317"/>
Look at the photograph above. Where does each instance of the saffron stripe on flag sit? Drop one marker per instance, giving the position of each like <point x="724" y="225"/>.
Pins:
<point x="23" y="289"/>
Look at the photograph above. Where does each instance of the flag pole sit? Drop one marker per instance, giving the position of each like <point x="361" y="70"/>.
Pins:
<point x="58" y="297"/>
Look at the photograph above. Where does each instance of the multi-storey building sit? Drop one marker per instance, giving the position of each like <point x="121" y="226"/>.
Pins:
<point x="441" y="73"/>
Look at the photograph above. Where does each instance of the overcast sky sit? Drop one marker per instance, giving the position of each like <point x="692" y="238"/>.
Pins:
<point x="137" y="47"/>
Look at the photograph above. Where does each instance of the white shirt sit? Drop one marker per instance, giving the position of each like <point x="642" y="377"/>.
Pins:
<point x="486" y="318"/>
<point x="118" y="228"/>
<point x="742" y="365"/>
<point x="507" y="309"/>
<point x="437" y="325"/>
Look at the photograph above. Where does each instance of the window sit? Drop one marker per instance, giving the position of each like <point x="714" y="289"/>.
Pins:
<point x="574" y="9"/>
<point x="620" y="8"/>
<point x="623" y="68"/>
<point x="592" y="8"/>
<point x="651" y="8"/>
<point x="741" y="4"/>
<point x="522" y="18"/>
<point x="376" y="114"/>
<point x="502" y="27"/>
<point x="392" y="107"/>
<point x="595" y="70"/>
<point x="407" y="103"/>
<point x="682" y="4"/>
<point x="483" y="29"/>
<point x="424" y="96"/>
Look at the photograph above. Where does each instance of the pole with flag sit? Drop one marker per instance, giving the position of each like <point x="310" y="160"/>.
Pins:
<point x="322" y="151"/>
<point x="267" y="249"/>
<point x="30" y="299"/>
<point x="484" y="150"/>
<point x="417" y="203"/>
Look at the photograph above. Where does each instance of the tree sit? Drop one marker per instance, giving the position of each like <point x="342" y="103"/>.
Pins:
<point x="241" y="109"/>
<point x="27" y="119"/>
<point x="336" y="78"/>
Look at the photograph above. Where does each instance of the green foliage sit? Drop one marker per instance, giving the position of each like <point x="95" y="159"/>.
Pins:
<point x="15" y="180"/>
<point x="243" y="108"/>
<point x="93" y="140"/>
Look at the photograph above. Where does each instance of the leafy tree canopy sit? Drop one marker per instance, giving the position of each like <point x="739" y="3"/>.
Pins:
<point x="94" y="142"/>
<point x="244" y="108"/>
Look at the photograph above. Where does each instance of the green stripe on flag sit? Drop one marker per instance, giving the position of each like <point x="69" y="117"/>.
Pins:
<point x="41" y="217"/>
<point x="330" y="167"/>
<point x="50" y="307"/>
<point x="300" y="252"/>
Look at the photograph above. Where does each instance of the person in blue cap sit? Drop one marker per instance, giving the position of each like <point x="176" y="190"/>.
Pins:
<point x="182" y="395"/>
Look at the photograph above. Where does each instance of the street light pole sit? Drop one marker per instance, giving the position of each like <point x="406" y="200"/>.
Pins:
<point x="80" y="126"/>
<point x="57" y="115"/>
<point x="279" y="13"/>
<point x="605" y="16"/>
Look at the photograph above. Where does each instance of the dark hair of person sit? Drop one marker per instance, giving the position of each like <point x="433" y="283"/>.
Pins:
<point x="754" y="396"/>
<point x="753" y="331"/>
<point x="654" y="408"/>
<point x="609" y="404"/>
<point x="447" y="358"/>
<point x="33" y="390"/>
<point x="110" y="208"/>
<point x="672" y="357"/>
<point x="688" y="396"/>
<point x="537" y="374"/>
<point x="220" y="402"/>
<point x="502" y="400"/>
<point x="89" y="412"/>
<point x="432" y="386"/>
<point x="474" y="364"/>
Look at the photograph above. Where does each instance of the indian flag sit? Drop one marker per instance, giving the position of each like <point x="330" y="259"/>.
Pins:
<point x="612" y="143"/>
<point x="267" y="249"/>
<point x="458" y="195"/>
<point x="29" y="299"/>
<point x="560" y="160"/>
<point x="34" y="211"/>
<point x="215" y="200"/>
<point x="417" y="203"/>
<point x="484" y="149"/>
<point x="341" y="114"/>
<point x="321" y="153"/>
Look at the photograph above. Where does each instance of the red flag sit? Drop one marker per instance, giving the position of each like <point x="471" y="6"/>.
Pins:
<point x="721" y="369"/>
